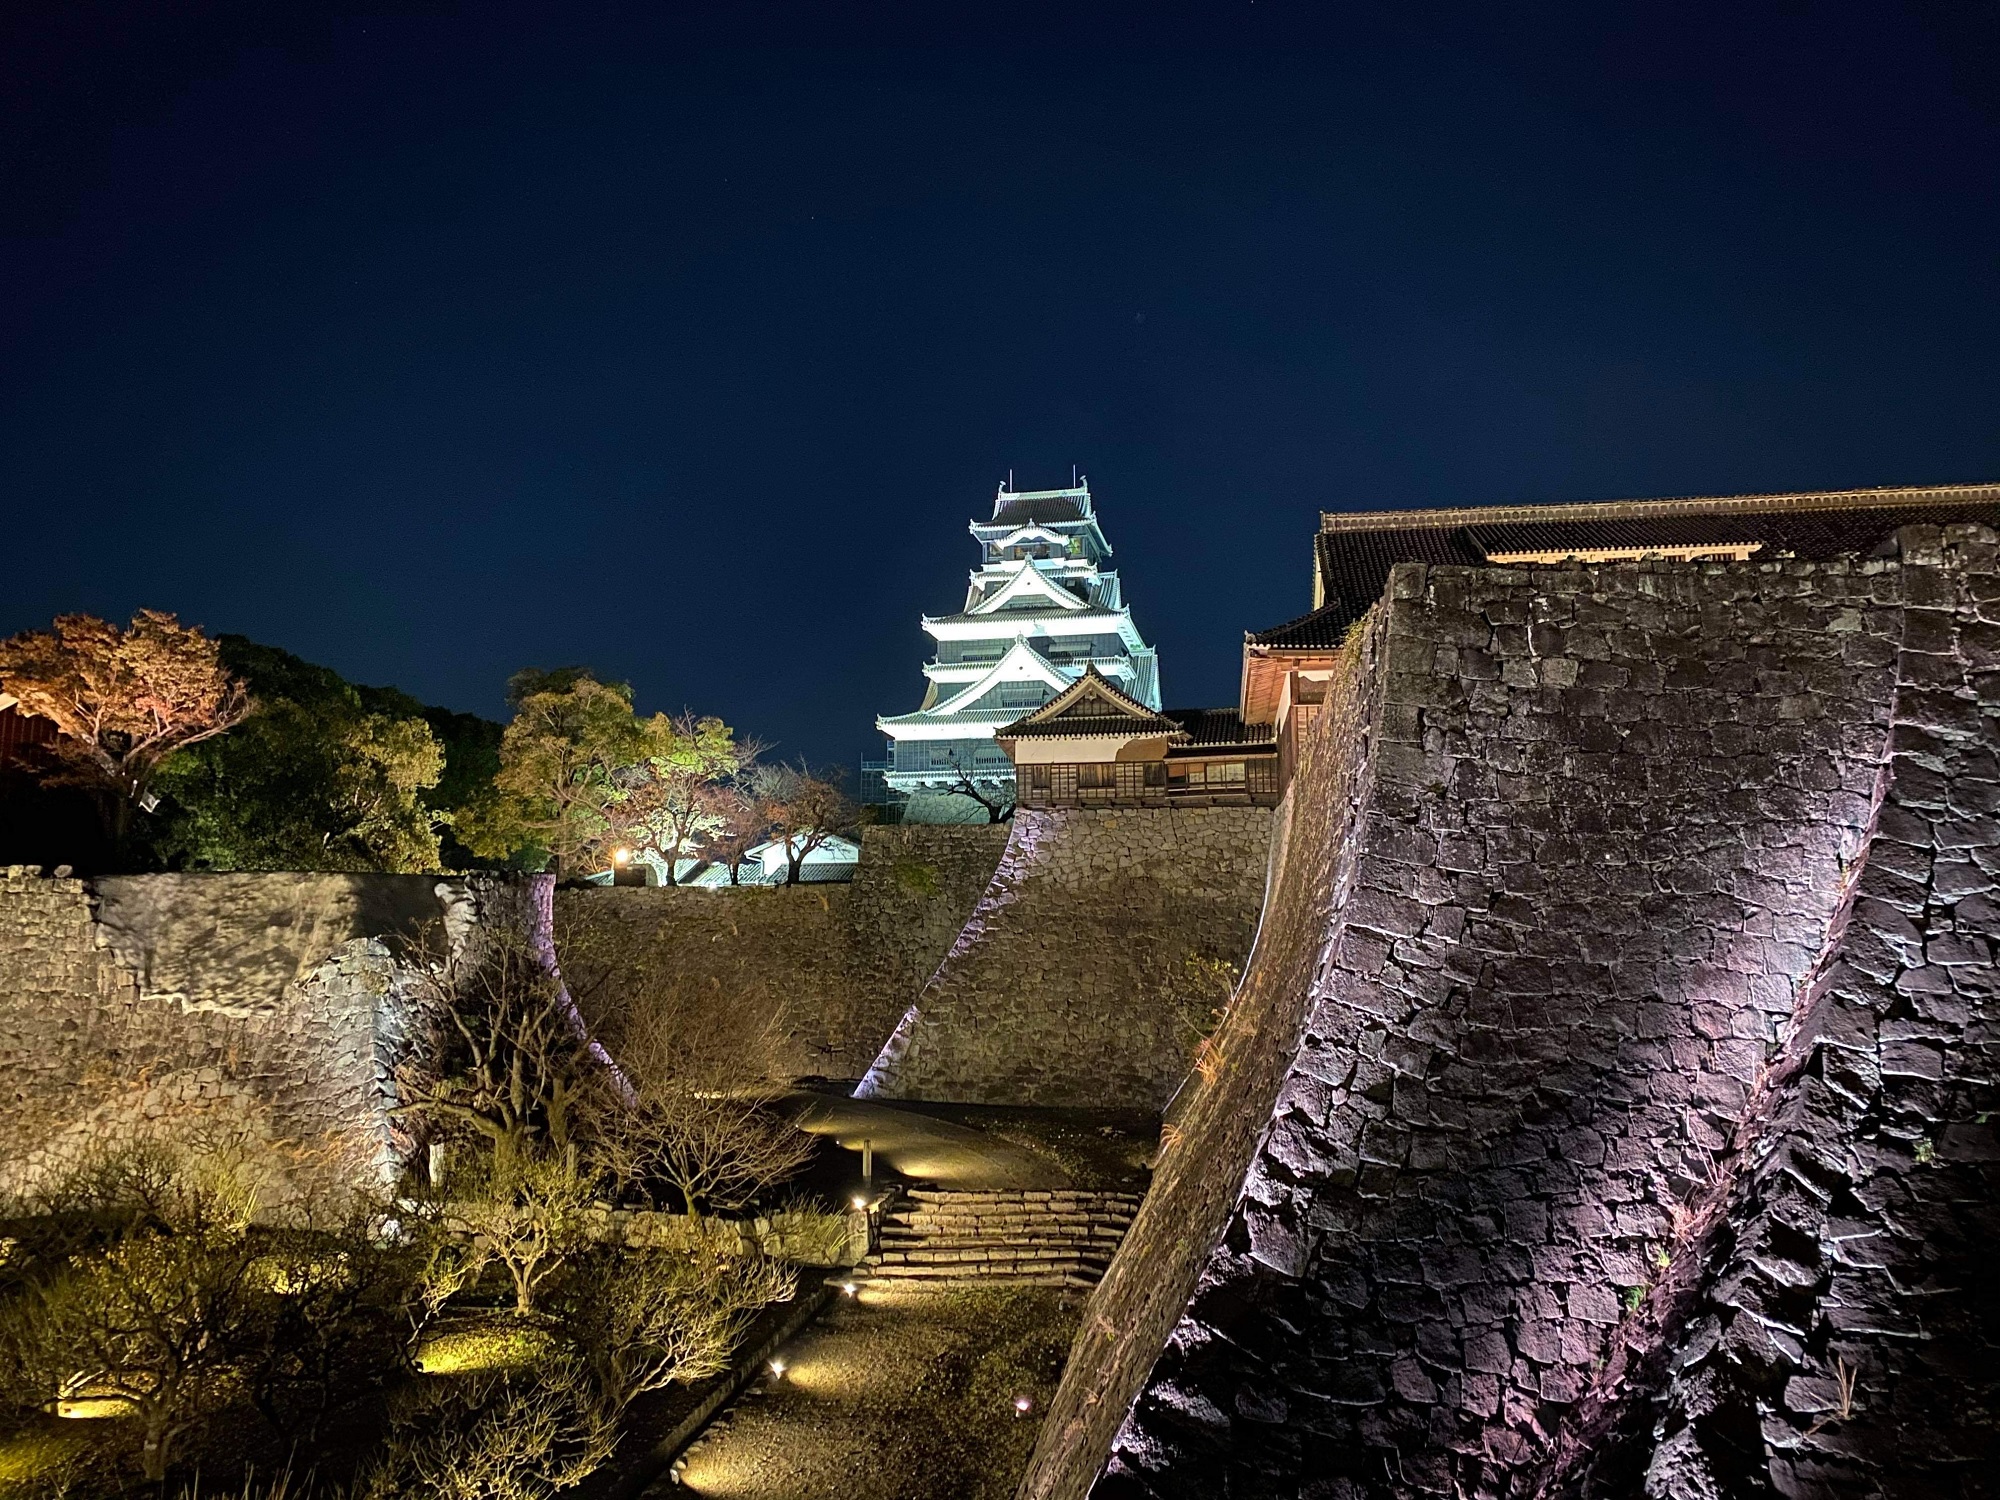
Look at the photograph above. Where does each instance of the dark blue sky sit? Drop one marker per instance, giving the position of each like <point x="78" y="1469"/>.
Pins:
<point x="434" y="342"/>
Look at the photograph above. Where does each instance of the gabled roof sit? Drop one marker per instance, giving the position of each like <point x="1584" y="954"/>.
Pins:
<point x="1028" y="581"/>
<point x="1028" y="533"/>
<point x="1020" y="662"/>
<point x="1089" y="706"/>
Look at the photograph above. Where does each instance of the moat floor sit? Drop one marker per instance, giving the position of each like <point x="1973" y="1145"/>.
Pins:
<point x="904" y="1396"/>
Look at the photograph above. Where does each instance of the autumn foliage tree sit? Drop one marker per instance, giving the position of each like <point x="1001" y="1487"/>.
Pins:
<point x="124" y="700"/>
<point x="801" y="811"/>
<point x="679" y="795"/>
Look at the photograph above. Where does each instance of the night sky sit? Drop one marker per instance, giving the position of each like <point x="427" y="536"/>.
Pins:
<point x="432" y="342"/>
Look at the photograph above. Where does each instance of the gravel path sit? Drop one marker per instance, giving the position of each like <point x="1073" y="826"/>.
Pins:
<point x="900" y="1396"/>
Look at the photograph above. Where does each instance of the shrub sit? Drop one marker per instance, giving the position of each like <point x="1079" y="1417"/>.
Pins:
<point x="648" y="1320"/>
<point x="496" y="1435"/>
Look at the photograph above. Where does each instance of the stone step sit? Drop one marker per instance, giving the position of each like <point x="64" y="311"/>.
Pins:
<point x="998" y="1256"/>
<point x="901" y="1217"/>
<point x="1001" y="1241"/>
<point x="941" y="1238"/>
<point x="931" y="1277"/>
<point x="977" y="1229"/>
<point x="1081" y="1202"/>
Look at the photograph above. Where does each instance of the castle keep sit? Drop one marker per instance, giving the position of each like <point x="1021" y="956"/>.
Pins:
<point x="1040" y="611"/>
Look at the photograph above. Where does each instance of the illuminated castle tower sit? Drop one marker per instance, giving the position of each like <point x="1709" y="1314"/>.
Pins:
<point x="1038" y="610"/>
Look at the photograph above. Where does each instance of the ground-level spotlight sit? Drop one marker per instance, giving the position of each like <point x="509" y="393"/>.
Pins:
<point x="849" y="1287"/>
<point x="1022" y="1405"/>
<point x="777" y="1369"/>
<point x="859" y="1203"/>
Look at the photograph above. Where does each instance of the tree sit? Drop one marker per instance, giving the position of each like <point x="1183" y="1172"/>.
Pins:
<point x="648" y="1319"/>
<point x="740" y="825"/>
<point x="701" y="1060"/>
<point x="157" y="1322"/>
<point x="560" y="760"/>
<point x="501" y="1435"/>
<point x="677" y="795"/>
<point x="501" y="1056"/>
<point x="528" y="1210"/>
<point x="298" y="786"/>
<point x="123" y="700"/>
<point x="803" y="811"/>
<point x="333" y="1324"/>
<point x="992" y="793"/>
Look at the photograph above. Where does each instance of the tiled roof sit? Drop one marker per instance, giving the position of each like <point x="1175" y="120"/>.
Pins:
<point x="1059" y="718"/>
<point x="1079" y="725"/>
<point x="1354" y="551"/>
<point x="1322" y="629"/>
<point x="967" y="716"/>
<point x="1019" y="510"/>
<point x="1219" y="726"/>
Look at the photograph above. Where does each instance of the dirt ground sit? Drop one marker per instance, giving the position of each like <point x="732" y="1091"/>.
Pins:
<point x="904" y="1396"/>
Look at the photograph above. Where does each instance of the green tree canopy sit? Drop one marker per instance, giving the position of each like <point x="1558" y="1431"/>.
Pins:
<point x="324" y="776"/>
<point x="560" y="765"/>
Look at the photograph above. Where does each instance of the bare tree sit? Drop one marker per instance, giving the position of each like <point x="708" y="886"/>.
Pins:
<point x="992" y="793"/>
<point x="701" y="1058"/>
<point x="508" y="1435"/>
<point x="500" y="1055"/>
<point x="803" y="811"/>
<point x="653" y="1318"/>
<point x="530" y="1211"/>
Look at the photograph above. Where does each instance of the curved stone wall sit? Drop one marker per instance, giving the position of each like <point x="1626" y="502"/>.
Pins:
<point x="1215" y="1122"/>
<point x="1080" y="978"/>
<point x="1589" y="967"/>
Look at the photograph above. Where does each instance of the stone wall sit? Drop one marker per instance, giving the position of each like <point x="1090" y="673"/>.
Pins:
<point x="1218" y="1116"/>
<point x="268" y="1011"/>
<point x="260" y="1012"/>
<point x="1085" y="976"/>
<point x="1608" y="1147"/>
<point x="848" y="958"/>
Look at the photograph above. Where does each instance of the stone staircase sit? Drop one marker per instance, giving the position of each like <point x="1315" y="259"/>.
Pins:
<point x="935" y="1237"/>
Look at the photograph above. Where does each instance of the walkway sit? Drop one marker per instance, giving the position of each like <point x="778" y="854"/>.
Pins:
<point x="894" y="1396"/>
<point x="924" y="1149"/>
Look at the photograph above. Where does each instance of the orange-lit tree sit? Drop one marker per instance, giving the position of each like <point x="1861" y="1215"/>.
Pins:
<point x="802" y="811"/>
<point x="123" y="700"/>
<point x="678" y="796"/>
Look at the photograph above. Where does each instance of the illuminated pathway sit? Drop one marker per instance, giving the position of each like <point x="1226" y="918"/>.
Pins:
<point x="905" y="1396"/>
<point x="925" y="1149"/>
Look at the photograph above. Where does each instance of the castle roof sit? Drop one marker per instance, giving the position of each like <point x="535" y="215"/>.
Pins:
<point x="1089" y="706"/>
<point x="1355" y="550"/>
<point x="1040" y="507"/>
<point x="1209" y="728"/>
